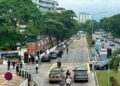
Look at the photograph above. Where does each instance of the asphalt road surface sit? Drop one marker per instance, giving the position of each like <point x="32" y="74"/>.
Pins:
<point x="77" y="56"/>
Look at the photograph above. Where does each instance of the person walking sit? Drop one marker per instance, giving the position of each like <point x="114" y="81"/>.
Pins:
<point x="59" y="63"/>
<point x="8" y="65"/>
<point x="13" y="63"/>
<point x="21" y="64"/>
<point x="60" y="53"/>
<point x="36" y="59"/>
<point x="37" y="66"/>
<point x="29" y="58"/>
<point x="17" y="69"/>
<point x="67" y="50"/>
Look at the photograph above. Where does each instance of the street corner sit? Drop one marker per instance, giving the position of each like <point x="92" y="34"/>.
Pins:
<point x="16" y="80"/>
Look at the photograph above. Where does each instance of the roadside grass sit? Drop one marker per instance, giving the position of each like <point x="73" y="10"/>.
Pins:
<point x="102" y="77"/>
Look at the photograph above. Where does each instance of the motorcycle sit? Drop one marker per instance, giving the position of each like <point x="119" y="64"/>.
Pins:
<point x="68" y="81"/>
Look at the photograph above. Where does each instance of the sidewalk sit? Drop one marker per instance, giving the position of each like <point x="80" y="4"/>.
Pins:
<point x="16" y="80"/>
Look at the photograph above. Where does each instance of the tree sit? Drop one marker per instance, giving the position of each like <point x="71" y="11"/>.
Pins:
<point x="114" y="63"/>
<point x="14" y="12"/>
<point x="112" y="25"/>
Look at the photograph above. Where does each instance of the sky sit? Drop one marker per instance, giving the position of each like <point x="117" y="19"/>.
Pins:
<point x="97" y="8"/>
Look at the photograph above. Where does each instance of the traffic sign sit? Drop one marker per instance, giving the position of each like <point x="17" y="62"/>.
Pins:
<point x="8" y="76"/>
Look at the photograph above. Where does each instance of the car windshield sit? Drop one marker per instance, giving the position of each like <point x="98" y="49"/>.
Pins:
<point x="80" y="72"/>
<point x="103" y="50"/>
<point x="56" y="71"/>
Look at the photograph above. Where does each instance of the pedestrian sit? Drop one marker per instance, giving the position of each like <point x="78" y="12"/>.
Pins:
<point x="13" y="63"/>
<point x="17" y="69"/>
<point x="21" y="64"/>
<point x="67" y="50"/>
<point x="29" y="58"/>
<point x="8" y="64"/>
<point x="59" y="63"/>
<point x="32" y="59"/>
<point x="36" y="66"/>
<point x="60" y="53"/>
<point x="36" y="59"/>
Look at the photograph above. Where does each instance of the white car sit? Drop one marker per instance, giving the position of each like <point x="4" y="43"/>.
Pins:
<point x="103" y="52"/>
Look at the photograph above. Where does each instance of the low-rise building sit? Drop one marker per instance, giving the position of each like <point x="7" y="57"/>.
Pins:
<point x="46" y="5"/>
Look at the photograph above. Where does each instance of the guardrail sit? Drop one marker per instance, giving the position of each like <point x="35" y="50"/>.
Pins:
<point x="29" y="79"/>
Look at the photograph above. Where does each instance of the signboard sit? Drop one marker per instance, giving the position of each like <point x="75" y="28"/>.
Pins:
<point x="31" y="47"/>
<point x="8" y="76"/>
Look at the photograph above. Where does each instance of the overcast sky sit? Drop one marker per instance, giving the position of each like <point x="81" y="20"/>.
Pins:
<point x="101" y="8"/>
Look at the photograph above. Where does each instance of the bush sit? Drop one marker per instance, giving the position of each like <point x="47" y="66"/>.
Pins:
<point x="12" y="57"/>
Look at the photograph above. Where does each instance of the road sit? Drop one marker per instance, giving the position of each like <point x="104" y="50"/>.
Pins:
<point x="77" y="56"/>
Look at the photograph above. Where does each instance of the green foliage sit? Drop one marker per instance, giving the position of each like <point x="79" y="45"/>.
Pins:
<point x="12" y="57"/>
<point x="114" y="63"/>
<point x="112" y="25"/>
<point x="13" y="13"/>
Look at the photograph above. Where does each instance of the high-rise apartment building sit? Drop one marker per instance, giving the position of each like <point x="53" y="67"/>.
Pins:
<point x="46" y="5"/>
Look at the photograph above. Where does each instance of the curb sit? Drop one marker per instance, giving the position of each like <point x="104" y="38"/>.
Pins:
<point x="96" y="80"/>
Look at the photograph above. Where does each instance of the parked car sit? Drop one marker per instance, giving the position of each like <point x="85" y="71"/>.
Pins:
<point x="55" y="75"/>
<point x="53" y="54"/>
<point x="58" y="47"/>
<point x="80" y="74"/>
<point x="45" y="58"/>
<point x="42" y="50"/>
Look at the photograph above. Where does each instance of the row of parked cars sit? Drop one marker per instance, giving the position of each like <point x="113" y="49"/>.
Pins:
<point x="54" y="53"/>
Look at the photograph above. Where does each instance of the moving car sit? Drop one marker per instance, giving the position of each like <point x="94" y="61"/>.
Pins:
<point x="102" y="63"/>
<point x="55" y="75"/>
<point x="53" y="54"/>
<point x="80" y="74"/>
<point x="103" y="52"/>
<point x="112" y="44"/>
<point x="45" y="58"/>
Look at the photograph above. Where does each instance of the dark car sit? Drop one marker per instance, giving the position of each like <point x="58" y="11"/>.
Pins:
<point x="53" y="54"/>
<point x="45" y="58"/>
<point x="102" y="64"/>
<point x="55" y="75"/>
<point x="42" y="50"/>
<point x="80" y="74"/>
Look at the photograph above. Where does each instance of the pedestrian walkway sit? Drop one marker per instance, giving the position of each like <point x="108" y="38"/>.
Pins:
<point x="16" y="81"/>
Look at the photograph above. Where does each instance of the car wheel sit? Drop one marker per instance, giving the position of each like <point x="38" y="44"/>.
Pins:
<point x="104" y="68"/>
<point x="75" y="81"/>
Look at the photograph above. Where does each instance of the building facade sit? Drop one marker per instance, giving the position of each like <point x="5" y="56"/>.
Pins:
<point x="83" y="17"/>
<point x="46" y="5"/>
